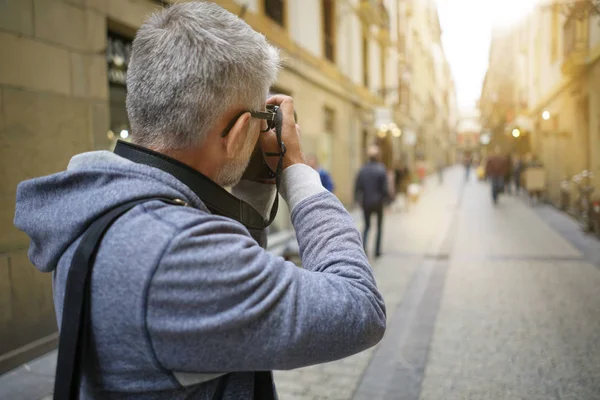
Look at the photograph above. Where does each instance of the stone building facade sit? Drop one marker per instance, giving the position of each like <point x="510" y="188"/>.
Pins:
<point x="544" y="80"/>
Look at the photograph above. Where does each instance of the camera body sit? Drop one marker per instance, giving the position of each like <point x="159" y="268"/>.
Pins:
<point x="257" y="168"/>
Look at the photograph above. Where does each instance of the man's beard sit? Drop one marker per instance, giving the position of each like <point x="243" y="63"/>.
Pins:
<point x="232" y="172"/>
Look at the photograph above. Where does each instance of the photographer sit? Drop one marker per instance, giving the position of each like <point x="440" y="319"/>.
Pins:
<point x="183" y="301"/>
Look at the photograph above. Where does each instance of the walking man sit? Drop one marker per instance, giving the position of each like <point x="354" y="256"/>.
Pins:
<point x="467" y="161"/>
<point x="496" y="169"/>
<point x="371" y="192"/>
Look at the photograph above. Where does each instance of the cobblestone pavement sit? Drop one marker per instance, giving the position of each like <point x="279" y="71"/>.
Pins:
<point x="483" y="302"/>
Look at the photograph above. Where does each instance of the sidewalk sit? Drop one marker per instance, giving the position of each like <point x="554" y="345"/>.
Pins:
<point x="483" y="302"/>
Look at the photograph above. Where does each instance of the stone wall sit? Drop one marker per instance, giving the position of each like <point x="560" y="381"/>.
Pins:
<point x="53" y="104"/>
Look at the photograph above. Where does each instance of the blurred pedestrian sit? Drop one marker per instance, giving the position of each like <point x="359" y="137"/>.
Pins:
<point x="496" y="169"/>
<point x="326" y="180"/>
<point x="372" y="193"/>
<point x="467" y="162"/>
<point x="518" y="167"/>
<point x="421" y="171"/>
<point x="508" y="178"/>
<point x="401" y="180"/>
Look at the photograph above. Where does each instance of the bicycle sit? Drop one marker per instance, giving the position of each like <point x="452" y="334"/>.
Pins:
<point x="583" y="204"/>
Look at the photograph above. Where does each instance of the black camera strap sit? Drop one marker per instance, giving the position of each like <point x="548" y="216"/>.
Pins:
<point x="76" y="318"/>
<point x="218" y="200"/>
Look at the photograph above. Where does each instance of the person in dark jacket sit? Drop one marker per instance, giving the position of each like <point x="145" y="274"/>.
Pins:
<point x="519" y="167"/>
<point x="509" y="175"/>
<point x="496" y="169"/>
<point x="371" y="192"/>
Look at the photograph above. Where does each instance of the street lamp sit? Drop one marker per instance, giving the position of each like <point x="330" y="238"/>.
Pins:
<point x="396" y="132"/>
<point x="485" y="139"/>
<point x="516" y="133"/>
<point x="124" y="134"/>
<point x="546" y="115"/>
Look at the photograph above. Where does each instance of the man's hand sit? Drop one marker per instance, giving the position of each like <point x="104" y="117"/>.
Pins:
<point x="290" y="135"/>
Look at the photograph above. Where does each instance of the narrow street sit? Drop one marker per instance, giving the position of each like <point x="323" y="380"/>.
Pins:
<point x="483" y="302"/>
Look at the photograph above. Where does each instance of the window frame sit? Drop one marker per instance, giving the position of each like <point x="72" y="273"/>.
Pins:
<point x="333" y="26"/>
<point x="285" y="19"/>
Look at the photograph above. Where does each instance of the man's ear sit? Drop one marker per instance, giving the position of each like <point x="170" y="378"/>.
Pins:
<point x="237" y="135"/>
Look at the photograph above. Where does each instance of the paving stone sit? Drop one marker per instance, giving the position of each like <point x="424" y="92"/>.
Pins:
<point x="518" y="318"/>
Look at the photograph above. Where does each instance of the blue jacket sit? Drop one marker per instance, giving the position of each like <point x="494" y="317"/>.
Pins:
<point x="180" y="296"/>
<point x="326" y="180"/>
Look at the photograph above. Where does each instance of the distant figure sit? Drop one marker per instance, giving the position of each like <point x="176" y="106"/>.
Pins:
<point x="421" y="171"/>
<point x="519" y="167"/>
<point x="509" y="175"/>
<point x="496" y="169"/>
<point x="440" y="171"/>
<point x="326" y="180"/>
<point x="371" y="192"/>
<point x="401" y="181"/>
<point x="467" y="161"/>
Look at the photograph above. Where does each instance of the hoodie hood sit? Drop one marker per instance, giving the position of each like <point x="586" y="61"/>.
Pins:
<point x="55" y="210"/>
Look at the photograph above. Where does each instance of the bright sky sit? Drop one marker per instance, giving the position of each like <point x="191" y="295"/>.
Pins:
<point x="467" y="26"/>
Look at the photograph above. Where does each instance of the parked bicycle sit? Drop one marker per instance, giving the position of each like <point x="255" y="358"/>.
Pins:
<point x="595" y="216"/>
<point x="583" y="204"/>
<point x="565" y="194"/>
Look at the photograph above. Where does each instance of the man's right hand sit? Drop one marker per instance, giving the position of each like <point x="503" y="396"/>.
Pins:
<point x="290" y="135"/>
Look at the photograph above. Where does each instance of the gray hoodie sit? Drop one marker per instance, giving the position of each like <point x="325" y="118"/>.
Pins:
<point x="180" y="295"/>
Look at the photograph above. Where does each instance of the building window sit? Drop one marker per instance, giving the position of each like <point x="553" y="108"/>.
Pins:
<point x="275" y="9"/>
<point x="326" y="142"/>
<point x="555" y="32"/>
<point x="383" y="61"/>
<point x="365" y="56"/>
<point x="329" y="120"/>
<point x="328" y="7"/>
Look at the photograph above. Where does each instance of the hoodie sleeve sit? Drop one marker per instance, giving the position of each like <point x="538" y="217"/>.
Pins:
<point x="218" y="302"/>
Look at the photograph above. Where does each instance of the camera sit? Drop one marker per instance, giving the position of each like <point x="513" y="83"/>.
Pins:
<point x="258" y="169"/>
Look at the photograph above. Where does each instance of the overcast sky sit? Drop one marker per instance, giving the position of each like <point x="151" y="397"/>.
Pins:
<point x="467" y="26"/>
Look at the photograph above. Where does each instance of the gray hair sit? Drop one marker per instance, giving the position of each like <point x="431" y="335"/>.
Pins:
<point x="190" y="64"/>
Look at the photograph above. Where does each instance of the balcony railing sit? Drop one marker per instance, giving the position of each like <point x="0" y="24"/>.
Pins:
<point x="576" y="45"/>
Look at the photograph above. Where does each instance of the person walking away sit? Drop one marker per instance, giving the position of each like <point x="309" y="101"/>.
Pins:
<point x="326" y="180"/>
<point x="496" y="169"/>
<point x="400" y="183"/>
<point x="371" y="192"/>
<point x="509" y="175"/>
<point x="519" y="167"/>
<point x="421" y="171"/>
<point x="184" y="301"/>
<point x="467" y="162"/>
<point x="440" y="171"/>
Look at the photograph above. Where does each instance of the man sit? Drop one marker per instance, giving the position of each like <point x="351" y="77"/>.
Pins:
<point x="186" y="303"/>
<point x="371" y="192"/>
<point x="496" y="169"/>
<point x="326" y="180"/>
<point x="467" y="162"/>
<point x="519" y="166"/>
<point x="509" y="175"/>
